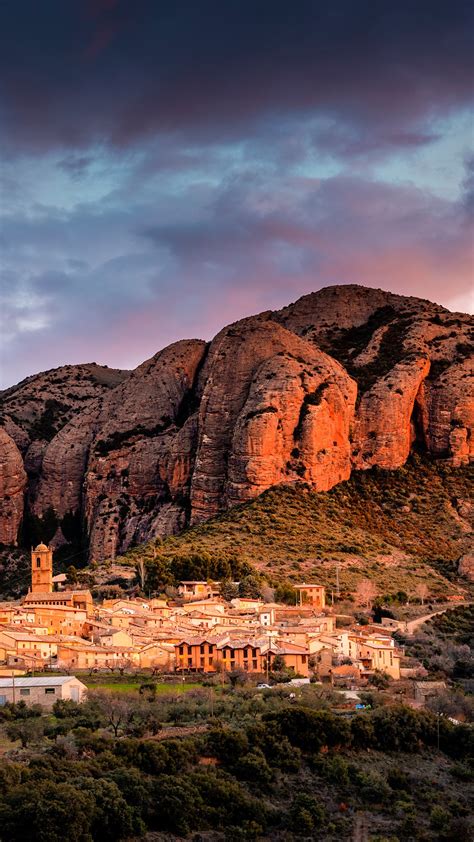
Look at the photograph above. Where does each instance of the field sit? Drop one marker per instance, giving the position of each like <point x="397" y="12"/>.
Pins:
<point x="127" y="685"/>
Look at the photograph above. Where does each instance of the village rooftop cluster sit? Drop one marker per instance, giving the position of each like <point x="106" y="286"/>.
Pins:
<point x="199" y="632"/>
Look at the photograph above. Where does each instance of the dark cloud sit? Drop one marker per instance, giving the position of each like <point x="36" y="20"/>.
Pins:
<point x="247" y="245"/>
<point x="75" y="165"/>
<point x="170" y="167"/>
<point x="76" y="73"/>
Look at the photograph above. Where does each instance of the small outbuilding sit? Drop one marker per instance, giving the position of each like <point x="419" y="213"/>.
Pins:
<point x="41" y="690"/>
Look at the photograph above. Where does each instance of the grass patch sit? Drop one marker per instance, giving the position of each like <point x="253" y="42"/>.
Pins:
<point x="163" y="688"/>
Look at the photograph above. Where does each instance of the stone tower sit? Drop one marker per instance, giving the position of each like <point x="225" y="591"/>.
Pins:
<point x="41" y="569"/>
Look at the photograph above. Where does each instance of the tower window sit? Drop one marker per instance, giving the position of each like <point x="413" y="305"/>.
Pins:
<point x="38" y="562"/>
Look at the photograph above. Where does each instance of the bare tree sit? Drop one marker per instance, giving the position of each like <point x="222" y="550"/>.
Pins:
<point x="268" y="593"/>
<point x="117" y="709"/>
<point x="422" y="591"/>
<point x="366" y="593"/>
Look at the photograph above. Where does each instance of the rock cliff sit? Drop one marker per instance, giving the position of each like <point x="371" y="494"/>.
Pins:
<point x="346" y="378"/>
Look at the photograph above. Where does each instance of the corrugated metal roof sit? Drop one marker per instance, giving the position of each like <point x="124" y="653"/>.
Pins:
<point x="40" y="681"/>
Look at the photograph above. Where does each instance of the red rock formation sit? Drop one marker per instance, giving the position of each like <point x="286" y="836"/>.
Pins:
<point x="140" y="462"/>
<point x="383" y="432"/>
<point x="12" y="486"/>
<point x="345" y="377"/>
<point x="294" y="425"/>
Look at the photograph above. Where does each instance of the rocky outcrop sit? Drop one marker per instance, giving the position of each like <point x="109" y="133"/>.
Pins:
<point x="293" y="426"/>
<point x="12" y="486"/>
<point x="466" y="566"/>
<point x="274" y="409"/>
<point x="142" y="455"/>
<point x="346" y="378"/>
<point x="384" y="429"/>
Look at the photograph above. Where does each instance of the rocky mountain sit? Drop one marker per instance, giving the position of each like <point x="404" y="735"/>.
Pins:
<point x="344" y="379"/>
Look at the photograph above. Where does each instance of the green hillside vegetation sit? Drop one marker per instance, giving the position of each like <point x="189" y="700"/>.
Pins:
<point x="399" y="528"/>
<point x="245" y="765"/>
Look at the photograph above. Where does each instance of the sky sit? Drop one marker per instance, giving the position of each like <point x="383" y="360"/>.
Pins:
<point x="169" y="167"/>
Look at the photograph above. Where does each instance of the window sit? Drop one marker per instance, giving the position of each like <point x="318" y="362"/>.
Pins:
<point x="24" y="692"/>
<point x="181" y="650"/>
<point x="201" y="648"/>
<point x="50" y="691"/>
<point x="211" y="659"/>
<point x="303" y="659"/>
<point x="38" y="562"/>
<point x="211" y="648"/>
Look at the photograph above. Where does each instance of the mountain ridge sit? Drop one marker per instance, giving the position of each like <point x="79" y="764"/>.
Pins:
<point x="344" y="379"/>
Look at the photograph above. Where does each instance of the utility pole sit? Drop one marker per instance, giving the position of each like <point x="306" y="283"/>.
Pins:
<point x="268" y="655"/>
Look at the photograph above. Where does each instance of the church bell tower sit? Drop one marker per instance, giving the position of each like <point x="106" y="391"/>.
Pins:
<point x="41" y="569"/>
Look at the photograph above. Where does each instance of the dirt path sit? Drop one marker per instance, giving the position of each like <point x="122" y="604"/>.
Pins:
<point x="413" y="625"/>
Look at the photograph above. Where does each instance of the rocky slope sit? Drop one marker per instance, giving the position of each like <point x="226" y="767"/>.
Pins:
<point x="345" y="378"/>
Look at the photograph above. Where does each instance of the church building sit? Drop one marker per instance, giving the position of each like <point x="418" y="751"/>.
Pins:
<point x="41" y="591"/>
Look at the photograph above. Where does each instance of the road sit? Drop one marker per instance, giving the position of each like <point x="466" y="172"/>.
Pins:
<point x="412" y="626"/>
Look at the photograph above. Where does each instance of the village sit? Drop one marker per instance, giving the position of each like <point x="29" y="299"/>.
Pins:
<point x="55" y="630"/>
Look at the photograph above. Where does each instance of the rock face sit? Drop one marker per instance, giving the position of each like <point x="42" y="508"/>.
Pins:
<point x="12" y="486"/>
<point x="466" y="566"/>
<point x="346" y="378"/>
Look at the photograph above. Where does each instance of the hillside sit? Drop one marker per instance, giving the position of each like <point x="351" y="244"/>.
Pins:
<point x="398" y="527"/>
<point x="343" y="380"/>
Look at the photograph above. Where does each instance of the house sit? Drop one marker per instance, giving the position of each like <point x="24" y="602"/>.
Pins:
<point x="295" y="657"/>
<point x="89" y="656"/>
<point x="20" y="644"/>
<point x="424" y="689"/>
<point x="314" y="595"/>
<point x="43" y="691"/>
<point x="206" y="654"/>
<point x="198" y="589"/>
<point x="377" y="656"/>
<point x="74" y="599"/>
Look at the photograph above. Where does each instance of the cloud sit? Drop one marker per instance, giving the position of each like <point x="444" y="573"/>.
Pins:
<point x="168" y="168"/>
<point x="74" y="74"/>
<point x="154" y="275"/>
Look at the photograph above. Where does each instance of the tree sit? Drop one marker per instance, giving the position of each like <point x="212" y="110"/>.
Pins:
<point x="278" y="663"/>
<point x="141" y="572"/>
<point x="42" y="812"/>
<point x="237" y="676"/>
<point x="71" y="575"/>
<point x="366" y="593"/>
<point x="249" y="587"/>
<point x="380" y="680"/>
<point x="26" y="730"/>
<point x="422" y="591"/>
<point x="268" y="593"/>
<point x="286" y="593"/>
<point x="117" y="710"/>
<point x="228" y="590"/>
